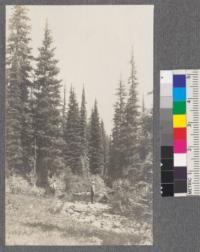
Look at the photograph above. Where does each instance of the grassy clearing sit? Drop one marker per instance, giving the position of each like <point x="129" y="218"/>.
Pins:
<point x="29" y="222"/>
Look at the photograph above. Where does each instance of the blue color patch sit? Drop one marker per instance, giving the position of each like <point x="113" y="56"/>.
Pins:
<point x="179" y="80"/>
<point x="179" y="94"/>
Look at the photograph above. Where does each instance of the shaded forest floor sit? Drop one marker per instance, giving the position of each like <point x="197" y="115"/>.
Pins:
<point x="34" y="220"/>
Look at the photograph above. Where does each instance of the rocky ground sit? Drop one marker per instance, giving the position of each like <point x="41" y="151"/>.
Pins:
<point x="32" y="220"/>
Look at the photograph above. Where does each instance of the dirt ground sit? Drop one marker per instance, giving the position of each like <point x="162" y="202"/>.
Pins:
<point x="34" y="220"/>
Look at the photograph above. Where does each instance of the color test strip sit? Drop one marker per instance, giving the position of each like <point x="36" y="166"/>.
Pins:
<point x="166" y="126"/>
<point x="180" y="132"/>
<point x="179" y="122"/>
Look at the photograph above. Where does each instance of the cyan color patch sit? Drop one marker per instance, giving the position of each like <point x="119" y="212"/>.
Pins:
<point x="179" y="94"/>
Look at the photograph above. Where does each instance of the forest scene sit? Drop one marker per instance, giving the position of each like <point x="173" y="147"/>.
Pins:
<point x="70" y="180"/>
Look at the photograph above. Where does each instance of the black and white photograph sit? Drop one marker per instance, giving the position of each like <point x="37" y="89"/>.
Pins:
<point x="79" y="125"/>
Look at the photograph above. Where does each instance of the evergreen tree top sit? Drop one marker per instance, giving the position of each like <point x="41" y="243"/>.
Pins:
<point x="132" y="103"/>
<point x="46" y="63"/>
<point x="83" y="101"/>
<point x="73" y="104"/>
<point x="18" y="16"/>
<point x="95" y="110"/>
<point x="83" y="114"/>
<point x="133" y="75"/>
<point x="18" y="51"/>
<point x="19" y="26"/>
<point x="121" y="96"/>
<point x="47" y="48"/>
<point x="95" y="104"/>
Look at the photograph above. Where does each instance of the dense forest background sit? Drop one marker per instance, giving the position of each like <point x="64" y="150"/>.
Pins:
<point x="51" y="139"/>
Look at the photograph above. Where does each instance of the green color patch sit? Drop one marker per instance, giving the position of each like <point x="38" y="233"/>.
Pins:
<point x="179" y="107"/>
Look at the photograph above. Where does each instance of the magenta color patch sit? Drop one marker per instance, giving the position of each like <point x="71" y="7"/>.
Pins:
<point x="179" y="146"/>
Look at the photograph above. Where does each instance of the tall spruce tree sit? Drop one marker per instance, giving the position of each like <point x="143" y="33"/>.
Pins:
<point x="18" y="76"/>
<point x="64" y="103"/>
<point x="145" y="145"/>
<point x="64" y="121"/>
<point x="83" y="124"/>
<point x="83" y="135"/>
<point x="118" y="146"/>
<point x="95" y="143"/>
<point x="72" y="135"/>
<point x="105" y="149"/>
<point x="47" y="112"/>
<point x="144" y="133"/>
<point x="131" y="122"/>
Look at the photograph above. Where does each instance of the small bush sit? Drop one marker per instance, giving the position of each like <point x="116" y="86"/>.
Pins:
<point x="132" y="200"/>
<point x="78" y="184"/>
<point x="70" y="186"/>
<point x="17" y="184"/>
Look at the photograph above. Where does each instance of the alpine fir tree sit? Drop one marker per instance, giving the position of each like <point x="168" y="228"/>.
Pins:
<point x="118" y="149"/>
<point x="131" y="122"/>
<point x="83" y="135"/>
<point x="18" y="75"/>
<point x="105" y="149"/>
<point x="145" y="144"/>
<point x="72" y="135"/>
<point x="47" y="116"/>
<point x="83" y="124"/>
<point x="144" y="133"/>
<point x="64" y="103"/>
<point x="95" y="143"/>
<point x="64" y="121"/>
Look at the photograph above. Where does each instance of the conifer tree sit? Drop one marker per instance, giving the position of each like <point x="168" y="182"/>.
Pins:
<point x="64" y="121"/>
<point x="64" y="103"/>
<point x="83" y="124"/>
<point x="145" y="144"/>
<point x="83" y="135"/>
<point x="144" y="133"/>
<point x="18" y="77"/>
<point x="117" y="152"/>
<point x="131" y="122"/>
<point x="47" y="112"/>
<point x="72" y="135"/>
<point x="95" y="143"/>
<point x="105" y="149"/>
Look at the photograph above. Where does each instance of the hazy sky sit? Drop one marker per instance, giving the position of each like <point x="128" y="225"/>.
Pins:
<point x="93" y="46"/>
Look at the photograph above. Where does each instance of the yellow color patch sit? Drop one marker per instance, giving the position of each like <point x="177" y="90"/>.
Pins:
<point x="179" y="121"/>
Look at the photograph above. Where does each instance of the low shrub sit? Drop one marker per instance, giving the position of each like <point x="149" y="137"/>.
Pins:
<point x="77" y="184"/>
<point x="71" y="186"/>
<point x="132" y="200"/>
<point x="17" y="184"/>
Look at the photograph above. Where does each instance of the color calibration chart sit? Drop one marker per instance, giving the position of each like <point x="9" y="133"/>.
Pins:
<point x="180" y="132"/>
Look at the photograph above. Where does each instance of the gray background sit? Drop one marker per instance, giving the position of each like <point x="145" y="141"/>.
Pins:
<point x="176" y="46"/>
